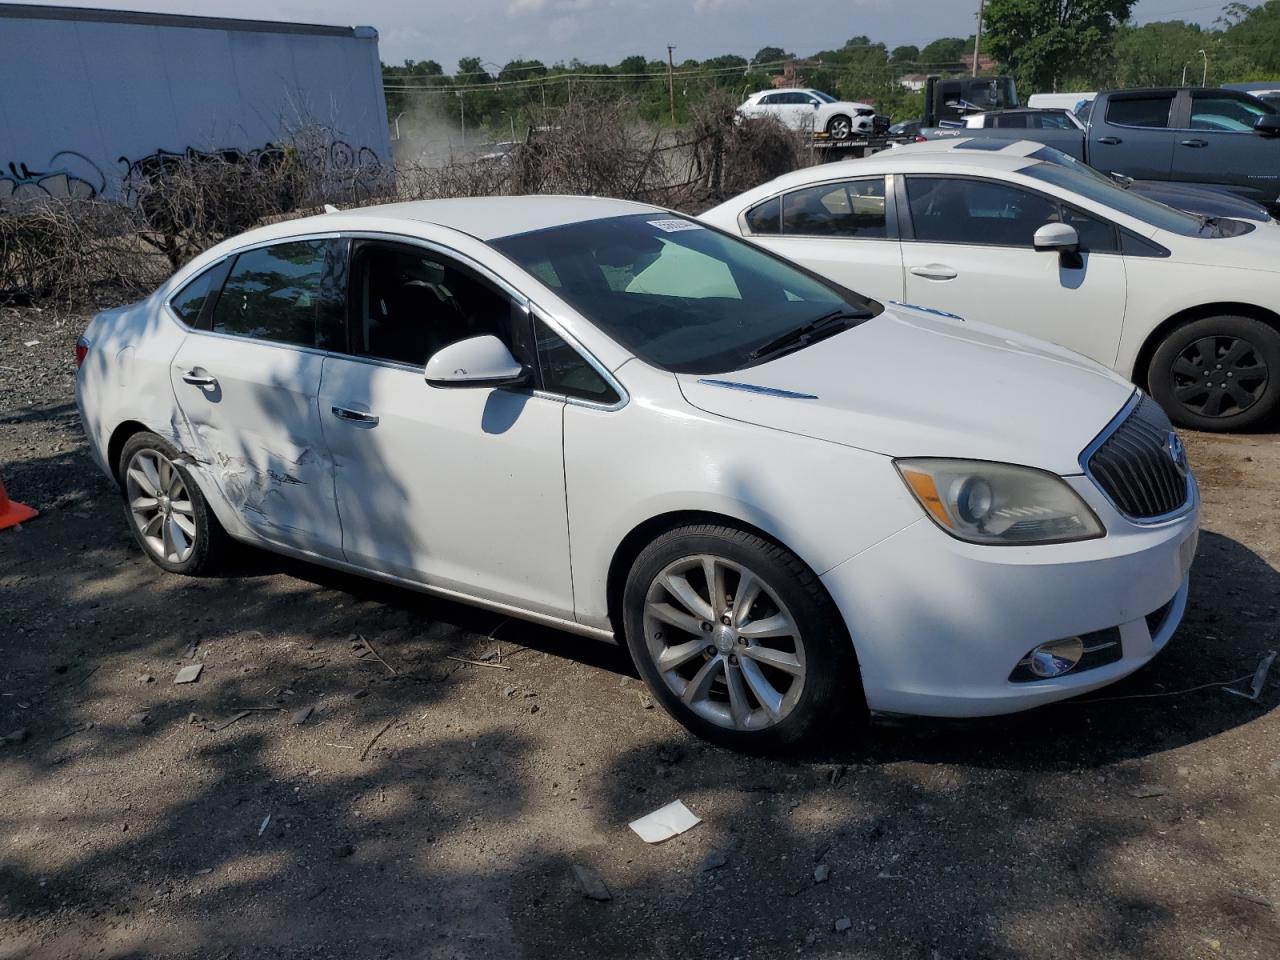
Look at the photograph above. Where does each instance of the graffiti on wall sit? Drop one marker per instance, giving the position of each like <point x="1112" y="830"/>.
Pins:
<point x="67" y="175"/>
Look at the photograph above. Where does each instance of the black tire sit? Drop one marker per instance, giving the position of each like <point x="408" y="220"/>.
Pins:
<point x="211" y="543"/>
<point x="830" y="698"/>
<point x="840" y="127"/>
<point x="1196" y="374"/>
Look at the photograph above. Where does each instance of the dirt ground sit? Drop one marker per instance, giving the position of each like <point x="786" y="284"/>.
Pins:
<point x="432" y="808"/>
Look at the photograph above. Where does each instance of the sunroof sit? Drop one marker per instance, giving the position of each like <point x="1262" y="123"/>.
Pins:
<point x="983" y="145"/>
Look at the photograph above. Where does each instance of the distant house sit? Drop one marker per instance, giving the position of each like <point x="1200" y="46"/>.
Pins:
<point x="985" y="63"/>
<point x="913" y="81"/>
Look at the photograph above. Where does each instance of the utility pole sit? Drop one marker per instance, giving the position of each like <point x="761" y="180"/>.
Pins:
<point x="977" y="37"/>
<point x="1204" y="77"/>
<point x="671" y="82"/>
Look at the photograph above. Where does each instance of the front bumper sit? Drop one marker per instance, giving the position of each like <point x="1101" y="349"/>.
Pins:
<point x="939" y="624"/>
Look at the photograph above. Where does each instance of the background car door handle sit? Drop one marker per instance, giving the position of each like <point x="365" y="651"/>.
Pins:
<point x="197" y="377"/>
<point x="935" y="271"/>
<point x="1110" y="141"/>
<point x="355" y="416"/>
<point x="1194" y="143"/>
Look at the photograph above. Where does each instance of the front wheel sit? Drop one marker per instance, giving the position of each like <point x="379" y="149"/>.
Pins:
<point x="839" y="127"/>
<point x="1218" y="373"/>
<point x="738" y="639"/>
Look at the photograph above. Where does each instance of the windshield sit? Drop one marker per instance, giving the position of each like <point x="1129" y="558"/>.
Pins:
<point x="824" y="97"/>
<point x="1065" y="171"/>
<point x="679" y="295"/>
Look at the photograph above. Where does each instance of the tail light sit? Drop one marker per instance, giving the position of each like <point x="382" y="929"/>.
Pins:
<point x="82" y="351"/>
<point x="920" y="139"/>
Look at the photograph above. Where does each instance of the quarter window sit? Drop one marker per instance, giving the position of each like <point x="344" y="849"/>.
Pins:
<point x="284" y="293"/>
<point x="947" y="210"/>
<point x="765" y="218"/>
<point x="1148" y="111"/>
<point x="854" y="208"/>
<point x="192" y="301"/>
<point x="566" y="372"/>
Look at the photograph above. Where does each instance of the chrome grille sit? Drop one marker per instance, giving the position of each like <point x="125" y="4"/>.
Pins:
<point x="1140" y="465"/>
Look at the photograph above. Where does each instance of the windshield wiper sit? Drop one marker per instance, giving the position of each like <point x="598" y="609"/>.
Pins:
<point x="827" y="325"/>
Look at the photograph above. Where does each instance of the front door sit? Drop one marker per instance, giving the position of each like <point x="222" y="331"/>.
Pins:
<point x="972" y="254"/>
<point x="1217" y="146"/>
<point x="457" y="488"/>
<point x="247" y="387"/>
<point x="1133" y="137"/>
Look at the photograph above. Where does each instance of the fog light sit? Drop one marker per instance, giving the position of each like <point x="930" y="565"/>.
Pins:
<point x="1056" y="658"/>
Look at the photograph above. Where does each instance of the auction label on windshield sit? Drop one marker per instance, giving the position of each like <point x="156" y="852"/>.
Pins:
<point x="674" y="226"/>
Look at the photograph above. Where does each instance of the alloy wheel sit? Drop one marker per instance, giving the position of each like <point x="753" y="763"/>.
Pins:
<point x="160" y="505"/>
<point x="1219" y="376"/>
<point x="840" y="128"/>
<point x="724" y="643"/>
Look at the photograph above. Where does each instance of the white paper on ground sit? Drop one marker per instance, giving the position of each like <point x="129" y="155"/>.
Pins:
<point x="665" y="823"/>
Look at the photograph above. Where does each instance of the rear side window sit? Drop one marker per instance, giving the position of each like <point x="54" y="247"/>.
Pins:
<point x="1013" y="120"/>
<point x="1149" y="111"/>
<point x="286" y="293"/>
<point x="854" y="208"/>
<point x="192" y="301"/>
<point x="566" y="372"/>
<point x="765" y="217"/>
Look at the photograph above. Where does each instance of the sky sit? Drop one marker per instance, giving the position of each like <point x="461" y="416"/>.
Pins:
<point x="608" y="30"/>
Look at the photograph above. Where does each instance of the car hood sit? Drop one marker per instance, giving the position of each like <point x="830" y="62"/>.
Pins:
<point x="909" y="383"/>
<point x="847" y="105"/>
<point x="1257" y="250"/>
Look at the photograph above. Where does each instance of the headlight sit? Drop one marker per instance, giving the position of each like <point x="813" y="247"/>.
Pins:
<point x="998" y="503"/>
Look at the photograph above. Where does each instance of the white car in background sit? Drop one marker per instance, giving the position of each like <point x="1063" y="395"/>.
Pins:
<point x="791" y="503"/>
<point x="1005" y="233"/>
<point x="811" y="110"/>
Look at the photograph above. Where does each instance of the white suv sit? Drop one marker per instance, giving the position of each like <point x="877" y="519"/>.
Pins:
<point x="813" y="110"/>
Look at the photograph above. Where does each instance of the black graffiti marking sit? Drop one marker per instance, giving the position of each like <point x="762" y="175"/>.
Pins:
<point x="69" y="175"/>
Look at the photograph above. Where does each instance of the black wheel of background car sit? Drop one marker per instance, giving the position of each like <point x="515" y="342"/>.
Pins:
<point x="1218" y="373"/>
<point x="839" y="127"/>
<point x="739" y="640"/>
<point x="166" y="511"/>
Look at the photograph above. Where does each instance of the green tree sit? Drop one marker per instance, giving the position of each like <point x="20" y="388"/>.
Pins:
<point x="1154" y="54"/>
<point x="906" y="54"/>
<point x="771" y="55"/>
<point x="1251" y="42"/>
<point x="944" y="52"/>
<point x="1047" y="43"/>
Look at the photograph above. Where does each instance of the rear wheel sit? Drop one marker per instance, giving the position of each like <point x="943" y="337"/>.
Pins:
<point x="1219" y="373"/>
<point x="167" y="513"/>
<point x="839" y="127"/>
<point x="738" y="639"/>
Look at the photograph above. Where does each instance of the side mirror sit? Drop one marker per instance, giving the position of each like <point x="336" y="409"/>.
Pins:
<point x="475" y="362"/>
<point x="1268" y="125"/>
<point x="1062" y="239"/>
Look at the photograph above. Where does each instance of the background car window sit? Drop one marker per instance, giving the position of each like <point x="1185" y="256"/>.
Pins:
<point x="765" y="218"/>
<point x="189" y="302"/>
<point x="854" y="208"/>
<point x="565" y="371"/>
<point x="1013" y="120"/>
<point x="1149" y="111"/>
<point x="282" y="293"/>
<point x="1053" y="121"/>
<point x="1216" y="112"/>
<point x="771" y="99"/>
<point x="410" y="303"/>
<point x="945" y="210"/>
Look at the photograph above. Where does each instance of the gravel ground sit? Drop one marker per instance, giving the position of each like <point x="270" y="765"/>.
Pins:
<point x="432" y="808"/>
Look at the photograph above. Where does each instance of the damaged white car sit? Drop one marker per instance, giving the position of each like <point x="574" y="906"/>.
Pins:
<point x="792" y="503"/>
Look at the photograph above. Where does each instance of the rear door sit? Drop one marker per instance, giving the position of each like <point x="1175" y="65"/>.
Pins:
<point x="970" y="252"/>
<point x="1133" y="135"/>
<point x="247" y="385"/>
<point x="1215" y="144"/>
<point x="845" y="230"/>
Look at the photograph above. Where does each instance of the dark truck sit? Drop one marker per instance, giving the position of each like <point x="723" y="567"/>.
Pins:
<point x="1203" y="137"/>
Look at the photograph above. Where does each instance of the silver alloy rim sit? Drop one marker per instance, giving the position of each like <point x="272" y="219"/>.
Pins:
<point x="840" y="128"/>
<point x="724" y="642"/>
<point x="160" y="505"/>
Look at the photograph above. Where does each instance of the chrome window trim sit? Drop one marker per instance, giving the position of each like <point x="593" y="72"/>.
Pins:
<point x="1087" y="454"/>
<point x="890" y="211"/>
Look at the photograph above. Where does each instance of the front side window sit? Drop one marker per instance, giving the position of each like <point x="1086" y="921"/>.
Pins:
<point x="410" y="302"/>
<point x="947" y="210"/>
<point x="284" y="293"/>
<point x="1013" y="120"/>
<point x="854" y="208"/>
<point x="680" y="296"/>
<point x="1054" y="121"/>
<point x="1210" y="111"/>
<point x="1146" y="111"/>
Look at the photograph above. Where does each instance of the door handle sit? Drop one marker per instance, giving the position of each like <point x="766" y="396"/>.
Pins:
<point x="1194" y="143"/>
<point x="197" y="377"/>
<point x="355" y="416"/>
<point x="1110" y="141"/>
<point x="935" y="271"/>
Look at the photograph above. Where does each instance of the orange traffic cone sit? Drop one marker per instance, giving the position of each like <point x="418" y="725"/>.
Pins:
<point x="11" y="513"/>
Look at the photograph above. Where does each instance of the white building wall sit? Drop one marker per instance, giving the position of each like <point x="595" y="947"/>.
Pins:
<point x="83" y="99"/>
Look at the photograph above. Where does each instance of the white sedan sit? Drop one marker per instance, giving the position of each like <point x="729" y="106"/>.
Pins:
<point x="1007" y="233"/>
<point x="790" y="502"/>
<point x="811" y="110"/>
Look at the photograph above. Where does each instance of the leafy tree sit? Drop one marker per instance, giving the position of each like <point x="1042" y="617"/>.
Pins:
<point x="471" y="70"/>
<point x="906" y="54"/>
<point x="946" y="50"/>
<point x="1050" y="42"/>
<point x="1155" y="53"/>
<point x="1251" y="43"/>
<point x="771" y="55"/>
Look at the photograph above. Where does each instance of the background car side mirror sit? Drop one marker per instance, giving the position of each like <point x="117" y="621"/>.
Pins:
<point x="1268" y="124"/>
<point x="475" y="362"/>
<point x="1060" y="238"/>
